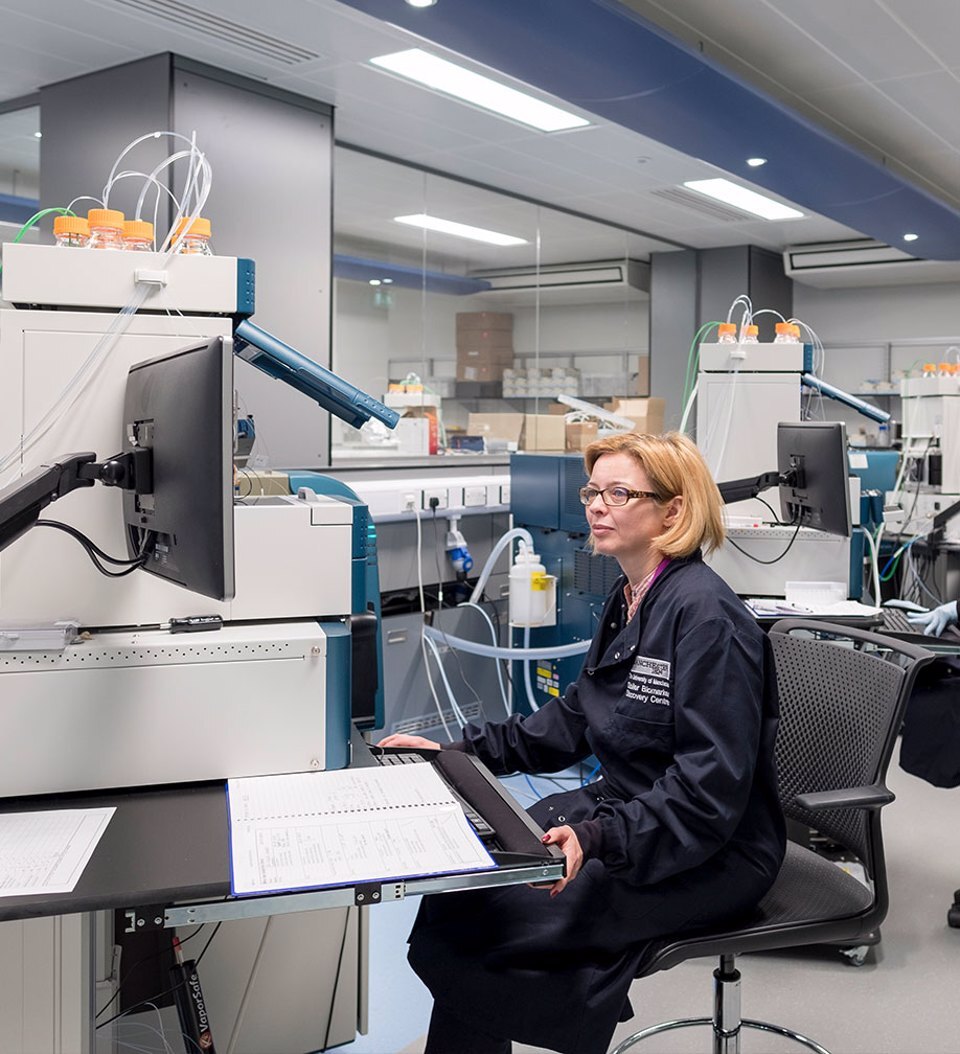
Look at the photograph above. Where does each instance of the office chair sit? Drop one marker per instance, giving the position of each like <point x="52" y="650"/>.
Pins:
<point x="840" y="711"/>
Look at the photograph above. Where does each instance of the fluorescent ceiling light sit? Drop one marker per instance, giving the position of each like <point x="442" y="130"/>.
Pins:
<point x="460" y="230"/>
<point x="741" y="198"/>
<point x="443" y="76"/>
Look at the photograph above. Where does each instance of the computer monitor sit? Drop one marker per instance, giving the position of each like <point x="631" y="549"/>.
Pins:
<point x="180" y="407"/>
<point x="812" y="456"/>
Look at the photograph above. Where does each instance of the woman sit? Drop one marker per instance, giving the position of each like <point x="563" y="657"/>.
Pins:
<point x="677" y="699"/>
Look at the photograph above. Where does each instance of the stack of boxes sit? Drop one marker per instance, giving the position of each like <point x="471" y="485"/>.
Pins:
<point x="519" y="382"/>
<point x="484" y="345"/>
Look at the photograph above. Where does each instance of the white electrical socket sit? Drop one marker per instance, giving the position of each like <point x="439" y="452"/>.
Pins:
<point x="409" y="502"/>
<point x="440" y="493"/>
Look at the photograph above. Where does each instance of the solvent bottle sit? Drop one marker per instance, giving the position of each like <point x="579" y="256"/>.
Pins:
<point x="106" y="229"/>
<point x="196" y="242"/>
<point x="751" y="335"/>
<point x="784" y="333"/>
<point x="71" y="232"/>
<point x="138" y="236"/>
<point x="726" y="333"/>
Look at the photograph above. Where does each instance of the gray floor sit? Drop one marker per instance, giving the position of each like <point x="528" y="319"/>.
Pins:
<point x="906" y="1002"/>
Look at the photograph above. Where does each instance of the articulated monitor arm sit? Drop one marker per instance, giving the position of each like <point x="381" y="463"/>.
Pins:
<point x="742" y="489"/>
<point x="283" y="363"/>
<point x="22" y="502"/>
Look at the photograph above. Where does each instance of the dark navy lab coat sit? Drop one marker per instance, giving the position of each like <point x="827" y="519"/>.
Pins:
<point x="683" y="829"/>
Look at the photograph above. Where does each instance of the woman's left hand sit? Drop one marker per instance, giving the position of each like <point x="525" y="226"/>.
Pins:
<point x="566" y="839"/>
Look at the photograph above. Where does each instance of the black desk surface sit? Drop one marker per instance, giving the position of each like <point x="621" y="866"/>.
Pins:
<point x="169" y="845"/>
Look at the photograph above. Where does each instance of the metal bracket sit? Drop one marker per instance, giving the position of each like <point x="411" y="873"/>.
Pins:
<point x="140" y="920"/>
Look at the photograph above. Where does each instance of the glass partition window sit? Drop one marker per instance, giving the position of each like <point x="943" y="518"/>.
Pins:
<point x="473" y="312"/>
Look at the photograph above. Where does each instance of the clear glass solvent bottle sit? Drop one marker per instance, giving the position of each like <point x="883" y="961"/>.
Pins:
<point x="138" y="236"/>
<point x="106" y="229"/>
<point x="727" y="333"/>
<point x="196" y="242"/>
<point x="785" y="334"/>
<point x="750" y="335"/>
<point x="71" y="232"/>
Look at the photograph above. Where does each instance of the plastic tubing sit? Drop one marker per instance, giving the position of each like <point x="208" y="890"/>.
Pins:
<point x="534" y="705"/>
<point x="689" y="406"/>
<point x="505" y="539"/>
<point x="493" y="638"/>
<point x="874" y="562"/>
<point x="454" y="706"/>
<point x="557" y="651"/>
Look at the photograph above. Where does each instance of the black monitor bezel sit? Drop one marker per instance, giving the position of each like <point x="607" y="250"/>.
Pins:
<point x="812" y="458"/>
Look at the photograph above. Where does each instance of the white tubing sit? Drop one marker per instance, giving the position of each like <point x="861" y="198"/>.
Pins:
<point x="559" y="651"/>
<point x="493" y="637"/>
<point x="689" y="406"/>
<point x="534" y="705"/>
<point x="454" y="705"/>
<point x="505" y="540"/>
<point x="874" y="547"/>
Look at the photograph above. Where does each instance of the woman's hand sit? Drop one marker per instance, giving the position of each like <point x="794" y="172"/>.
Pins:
<point x="410" y="742"/>
<point x="566" y="839"/>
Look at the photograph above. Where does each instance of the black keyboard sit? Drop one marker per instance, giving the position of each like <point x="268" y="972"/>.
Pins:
<point x="895" y="621"/>
<point x="484" y="831"/>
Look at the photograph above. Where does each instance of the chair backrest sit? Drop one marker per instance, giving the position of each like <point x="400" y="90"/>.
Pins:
<point x="840" y="711"/>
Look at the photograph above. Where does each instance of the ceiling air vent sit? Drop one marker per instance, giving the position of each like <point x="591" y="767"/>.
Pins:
<point x="213" y="27"/>
<point x="861" y="262"/>
<point x="689" y="200"/>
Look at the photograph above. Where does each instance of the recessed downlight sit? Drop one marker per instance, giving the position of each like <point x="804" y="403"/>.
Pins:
<point x="910" y="237"/>
<point x="756" y="162"/>
<point x="421" y="3"/>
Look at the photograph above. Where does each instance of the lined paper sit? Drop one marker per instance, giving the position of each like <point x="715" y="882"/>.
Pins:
<point x="318" y="829"/>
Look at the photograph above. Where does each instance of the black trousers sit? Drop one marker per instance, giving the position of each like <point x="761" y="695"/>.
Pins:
<point x="449" y="1034"/>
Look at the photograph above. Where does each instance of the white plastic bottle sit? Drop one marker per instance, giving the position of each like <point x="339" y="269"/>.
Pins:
<point x="532" y="591"/>
<point x="71" y="232"/>
<point x="196" y="242"/>
<point x="106" y="229"/>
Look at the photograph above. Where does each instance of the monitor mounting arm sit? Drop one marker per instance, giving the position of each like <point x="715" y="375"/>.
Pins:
<point x="22" y="502"/>
<point x="742" y="489"/>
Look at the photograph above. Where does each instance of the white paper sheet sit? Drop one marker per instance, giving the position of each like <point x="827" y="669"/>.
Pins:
<point x="46" y="852"/>
<point x="316" y="829"/>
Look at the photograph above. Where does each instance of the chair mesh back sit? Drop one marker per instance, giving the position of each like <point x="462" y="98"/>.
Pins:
<point x="837" y="708"/>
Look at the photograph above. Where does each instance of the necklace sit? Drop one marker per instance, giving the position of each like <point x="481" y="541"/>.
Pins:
<point x="642" y="588"/>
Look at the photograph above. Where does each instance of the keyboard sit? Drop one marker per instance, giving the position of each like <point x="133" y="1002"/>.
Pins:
<point x="484" y="831"/>
<point x="895" y="621"/>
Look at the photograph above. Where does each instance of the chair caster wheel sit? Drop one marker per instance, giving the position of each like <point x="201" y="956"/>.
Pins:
<point x="953" y="915"/>
<point x="857" y="956"/>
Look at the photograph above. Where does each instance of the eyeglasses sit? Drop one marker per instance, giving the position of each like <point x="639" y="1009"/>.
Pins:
<point x="614" y="495"/>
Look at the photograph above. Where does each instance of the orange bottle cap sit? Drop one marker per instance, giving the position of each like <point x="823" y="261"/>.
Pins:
<point x="200" y="228"/>
<point x="782" y="327"/>
<point x="105" y="218"/>
<point x="726" y="328"/>
<point x="70" y="225"/>
<point x="140" y="229"/>
<point x="752" y="331"/>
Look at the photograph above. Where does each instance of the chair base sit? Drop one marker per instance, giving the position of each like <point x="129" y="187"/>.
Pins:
<point x="723" y="1042"/>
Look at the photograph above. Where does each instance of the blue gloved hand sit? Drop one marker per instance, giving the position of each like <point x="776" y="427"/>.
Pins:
<point x="933" y="623"/>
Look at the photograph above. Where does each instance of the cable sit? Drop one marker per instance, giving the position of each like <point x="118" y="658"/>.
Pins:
<point x="423" y="627"/>
<point x="776" y="559"/>
<point x="93" y="551"/>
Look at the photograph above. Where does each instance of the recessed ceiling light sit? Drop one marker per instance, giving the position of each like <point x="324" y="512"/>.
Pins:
<point x="38" y="135"/>
<point x="460" y="230"/>
<point x="388" y="281"/>
<point x="374" y="281"/>
<point x="443" y="76"/>
<point x="756" y="162"/>
<point x="421" y="3"/>
<point x="910" y="237"/>
<point x="742" y="198"/>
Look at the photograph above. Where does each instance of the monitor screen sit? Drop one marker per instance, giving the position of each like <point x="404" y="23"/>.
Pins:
<point x="180" y="407"/>
<point x="813" y="454"/>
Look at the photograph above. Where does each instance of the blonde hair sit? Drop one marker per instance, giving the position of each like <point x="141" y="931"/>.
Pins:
<point x="676" y="469"/>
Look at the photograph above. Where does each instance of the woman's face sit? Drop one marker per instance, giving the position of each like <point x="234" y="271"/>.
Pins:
<point x="625" y="531"/>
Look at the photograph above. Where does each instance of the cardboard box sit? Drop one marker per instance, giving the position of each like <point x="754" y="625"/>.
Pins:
<point x="508" y="427"/>
<point x="580" y="435"/>
<point x="471" y="320"/>
<point x="543" y="432"/>
<point x="499" y="340"/>
<point x="482" y="372"/>
<point x="646" y="414"/>
<point x="641" y="382"/>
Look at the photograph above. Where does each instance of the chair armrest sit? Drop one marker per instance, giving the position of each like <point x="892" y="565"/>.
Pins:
<point x="873" y="797"/>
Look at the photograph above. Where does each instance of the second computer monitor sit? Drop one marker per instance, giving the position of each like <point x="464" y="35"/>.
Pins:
<point x="813" y="456"/>
<point x="180" y="407"/>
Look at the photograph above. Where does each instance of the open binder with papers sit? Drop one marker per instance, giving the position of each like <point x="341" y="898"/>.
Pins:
<point x="314" y="830"/>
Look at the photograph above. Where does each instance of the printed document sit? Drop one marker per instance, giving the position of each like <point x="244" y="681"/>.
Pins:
<point x="46" y="852"/>
<point x="309" y="830"/>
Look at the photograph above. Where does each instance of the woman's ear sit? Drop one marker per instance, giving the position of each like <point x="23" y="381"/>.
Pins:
<point x="673" y="509"/>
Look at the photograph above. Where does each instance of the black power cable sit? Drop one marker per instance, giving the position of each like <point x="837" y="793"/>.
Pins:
<point x="94" y="551"/>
